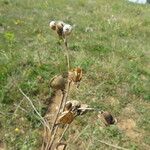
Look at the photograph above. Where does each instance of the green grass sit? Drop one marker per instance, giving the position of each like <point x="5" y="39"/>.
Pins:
<point x="110" y="42"/>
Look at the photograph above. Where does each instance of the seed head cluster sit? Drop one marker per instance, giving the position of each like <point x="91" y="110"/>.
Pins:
<point x="61" y="28"/>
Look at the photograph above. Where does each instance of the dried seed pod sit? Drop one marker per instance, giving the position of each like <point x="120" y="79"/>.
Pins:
<point x="52" y="25"/>
<point x="59" y="28"/>
<point x="61" y="146"/>
<point x="67" y="29"/>
<point x="68" y="106"/>
<point x="107" y="118"/>
<point x="75" y="75"/>
<point x="58" y="82"/>
<point x="66" y="118"/>
<point x="75" y="105"/>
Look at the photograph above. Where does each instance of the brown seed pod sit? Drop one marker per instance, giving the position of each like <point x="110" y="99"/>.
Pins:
<point x="59" y="28"/>
<point x="52" y="25"/>
<point x="74" y="106"/>
<point x="58" y="82"/>
<point x="61" y="146"/>
<point x="75" y="75"/>
<point x="107" y="118"/>
<point x="68" y="106"/>
<point x="66" y="117"/>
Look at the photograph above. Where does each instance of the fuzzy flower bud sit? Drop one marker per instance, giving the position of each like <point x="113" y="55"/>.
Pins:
<point x="60" y="24"/>
<point x="67" y="29"/>
<point x="52" y="25"/>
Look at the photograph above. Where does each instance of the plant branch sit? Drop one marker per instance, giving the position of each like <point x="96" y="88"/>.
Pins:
<point x="53" y="125"/>
<point x="42" y="119"/>
<point x="111" y="145"/>
<point x="75" y="139"/>
<point x="67" y="93"/>
<point x="63" y="133"/>
<point x="62" y="104"/>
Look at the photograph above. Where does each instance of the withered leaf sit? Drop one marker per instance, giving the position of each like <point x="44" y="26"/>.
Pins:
<point x="66" y="117"/>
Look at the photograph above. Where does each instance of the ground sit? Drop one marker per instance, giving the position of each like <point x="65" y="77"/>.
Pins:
<point x="110" y="41"/>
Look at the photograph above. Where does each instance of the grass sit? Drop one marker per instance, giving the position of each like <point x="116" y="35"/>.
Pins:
<point x="110" y="42"/>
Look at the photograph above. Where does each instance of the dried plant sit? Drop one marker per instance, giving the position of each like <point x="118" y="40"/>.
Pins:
<point x="68" y="110"/>
<point x="60" y="83"/>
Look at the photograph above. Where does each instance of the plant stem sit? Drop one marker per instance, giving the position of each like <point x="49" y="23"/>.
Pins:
<point x="111" y="145"/>
<point x="42" y="119"/>
<point x="67" y="52"/>
<point x="48" y="146"/>
<point x="62" y="104"/>
<point x="63" y="132"/>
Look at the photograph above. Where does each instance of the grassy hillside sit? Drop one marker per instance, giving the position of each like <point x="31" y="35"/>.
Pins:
<point x="110" y="42"/>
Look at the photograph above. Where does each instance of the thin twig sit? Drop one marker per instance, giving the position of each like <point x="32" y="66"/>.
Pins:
<point x="20" y="108"/>
<point x="44" y="135"/>
<point x="17" y="107"/>
<point x="67" y="93"/>
<point x="63" y="133"/>
<point x="49" y="146"/>
<point x="46" y="139"/>
<point x="75" y="139"/>
<point x="91" y="109"/>
<point x="111" y="145"/>
<point x="42" y="119"/>
<point x="61" y="102"/>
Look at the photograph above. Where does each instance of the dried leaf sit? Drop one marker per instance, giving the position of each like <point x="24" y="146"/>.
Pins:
<point x="66" y="117"/>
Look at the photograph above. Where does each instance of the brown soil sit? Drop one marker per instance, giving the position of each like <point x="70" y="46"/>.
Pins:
<point x="127" y="124"/>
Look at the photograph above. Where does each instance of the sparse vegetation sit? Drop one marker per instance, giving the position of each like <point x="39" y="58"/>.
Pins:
<point x="110" y="42"/>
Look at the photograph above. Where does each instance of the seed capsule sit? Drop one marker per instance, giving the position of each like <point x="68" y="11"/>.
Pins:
<point x="67" y="29"/>
<point x="107" y="118"/>
<point x="58" y="82"/>
<point x="59" y="28"/>
<point x="52" y="25"/>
